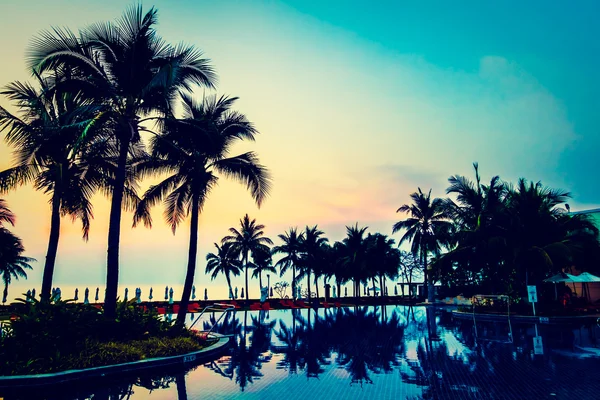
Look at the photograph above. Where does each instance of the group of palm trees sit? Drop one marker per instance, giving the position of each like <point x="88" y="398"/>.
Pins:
<point x="80" y="129"/>
<point x="360" y="258"/>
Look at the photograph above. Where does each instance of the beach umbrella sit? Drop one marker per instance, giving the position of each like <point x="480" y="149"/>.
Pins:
<point x="166" y="293"/>
<point x="150" y="296"/>
<point x="53" y="294"/>
<point x="86" y="296"/>
<point x="58" y="293"/>
<point x="76" y="294"/>
<point x="242" y="295"/>
<point x="236" y="292"/>
<point x="126" y="292"/>
<point x="33" y="293"/>
<point x="230" y="294"/>
<point x="138" y="295"/>
<point x="193" y="292"/>
<point x="29" y="296"/>
<point x="205" y="294"/>
<point x="191" y="316"/>
<point x="97" y="296"/>
<point x="171" y="296"/>
<point x="395" y="290"/>
<point x="345" y="292"/>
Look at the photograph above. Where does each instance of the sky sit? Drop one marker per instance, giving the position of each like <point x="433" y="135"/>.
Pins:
<point x="357" y="104"/>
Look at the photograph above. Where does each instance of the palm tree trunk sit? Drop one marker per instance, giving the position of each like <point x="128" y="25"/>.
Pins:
<point x="229" y="285"/>
<point x="52" y="244"/>
<point x="425" y="282"/>
<point x="339" y="288"/>
<point x="373" y="283"/>
<point x="246" y="267"/>
<point x="293" y="282"/>
<point x="114" y="232"/>
<point x="309" y="284"/>
<point x="191" y="268"/>
<point x="5" y="292"/>
<point x="317" y="285"/>
<point x="260" y="279"/>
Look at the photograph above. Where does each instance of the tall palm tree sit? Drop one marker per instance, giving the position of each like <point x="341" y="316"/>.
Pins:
<point x="194" y="151"/>
<point x="248" y="239"/>
<point x="6" y="215"/>
<point x="127" y="66"/>
<point x="12" y="263"/>
<point x="355" y="255"/>
<point x="57" y="152"/>
<point x="310" y="251"/>
<point x="262" y="262"/>
<point x="290" y="249"/>
<point x="427" y="228"/>
<point x="225" y="262"/>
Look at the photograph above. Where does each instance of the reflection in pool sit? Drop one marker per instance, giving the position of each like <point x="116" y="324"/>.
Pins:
<point x="377" y="353"/>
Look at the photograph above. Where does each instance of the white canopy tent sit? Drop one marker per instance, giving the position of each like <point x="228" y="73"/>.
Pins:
<point x="583" y="278"/>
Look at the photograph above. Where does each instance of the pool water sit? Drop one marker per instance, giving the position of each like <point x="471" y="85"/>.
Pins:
<point x="376" y="353"/>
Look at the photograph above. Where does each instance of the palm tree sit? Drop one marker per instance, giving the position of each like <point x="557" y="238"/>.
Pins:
<point x="291" y="254"/>
<point x="427" y="227"/>
<point x="225" y="262"/>
<point x="12" y="263"/>
<point x="129" y="68"/>
<point x="56" y="151"/>
<point x="247" y="240"/>
<point x="6" y="215"/>
<point x="310" y="251"/>
<point x="262" y="262"/>
<point x="194" y="151"/>
<point x="355" y="255"/>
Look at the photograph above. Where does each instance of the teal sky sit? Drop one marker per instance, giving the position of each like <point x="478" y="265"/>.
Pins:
<point x="358" y="104"/>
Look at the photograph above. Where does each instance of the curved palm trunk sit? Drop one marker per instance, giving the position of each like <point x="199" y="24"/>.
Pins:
<point x="246" y="267"/>
<point x="339" y="288"/>
<point x="317" y="285"/>
<point x="191" y="268"/>
<point x="114" y="232"/>
<point x="260" y="279"/>
<point x="425" y="280"/>
<point x="309" y="284"/>
<point x="52" y="245"/>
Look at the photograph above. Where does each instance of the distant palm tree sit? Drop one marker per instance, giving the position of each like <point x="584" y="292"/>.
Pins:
<point x="12" y="263"/>
<point x="56" y="151"/>
<point x="225" y="262"/>
<point x="6" y="215"/>
<point x="194" y="151"/>
<point x="290" y="249"/>
<point x="262" y="262"/>
<point x="127" y="66"/>
<point x="427" y="228"/>
<point x="355" y="255"/>
<point x="310" y="251"/>
<point x="247" y="240"/>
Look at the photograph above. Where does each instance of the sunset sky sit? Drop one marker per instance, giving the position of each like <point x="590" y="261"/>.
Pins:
<point x="358" y="104"/>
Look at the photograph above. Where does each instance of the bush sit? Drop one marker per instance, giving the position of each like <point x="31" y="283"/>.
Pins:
<point x="49" y="337"/>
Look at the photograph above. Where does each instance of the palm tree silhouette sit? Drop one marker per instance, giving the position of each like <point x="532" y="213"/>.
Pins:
<point x="262" y="262"/>
<point x="290" y="249"/>
<point x="248" y="240"/>
<point x="224" y="262"/>
<point x="428" y="228"/>
<point x="310" y="246"/>
<point x="12" y="263"/>
<point x="56" y="150"/>
<point x="194" y="150"/>
<point x="355" y="255"/>
<point x="6" y="215"/>
<point x="129" y="68"/>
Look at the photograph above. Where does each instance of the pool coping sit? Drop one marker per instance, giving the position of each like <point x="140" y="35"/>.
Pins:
<point x="13" y="381"/>
<point x="526" y="318"/>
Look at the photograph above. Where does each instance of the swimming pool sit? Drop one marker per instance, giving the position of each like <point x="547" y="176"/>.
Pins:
<point x="376" y="353"/>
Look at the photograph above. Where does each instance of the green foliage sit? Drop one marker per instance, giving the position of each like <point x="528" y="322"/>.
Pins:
<point x="46" y="337"/>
